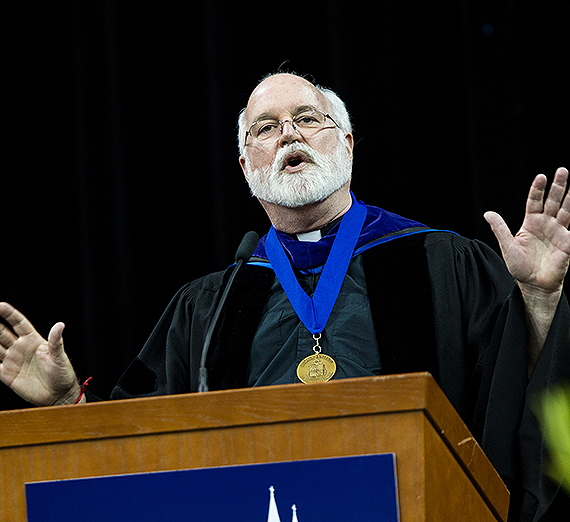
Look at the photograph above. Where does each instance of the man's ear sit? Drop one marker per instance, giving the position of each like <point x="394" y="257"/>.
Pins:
<point x="242" y="165"/>
<point x="349" y="138"/>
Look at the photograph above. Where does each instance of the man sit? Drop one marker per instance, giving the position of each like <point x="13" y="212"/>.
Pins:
<point x="388" y="295"/>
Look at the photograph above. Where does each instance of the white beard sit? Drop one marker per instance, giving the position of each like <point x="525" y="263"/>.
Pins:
<point x="324" y="175"/>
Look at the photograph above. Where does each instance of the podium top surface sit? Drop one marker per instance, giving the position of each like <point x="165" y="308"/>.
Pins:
<point x="242" y="407"/>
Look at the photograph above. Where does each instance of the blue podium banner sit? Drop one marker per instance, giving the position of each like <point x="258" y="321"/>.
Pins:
<point x="345" y="489"/>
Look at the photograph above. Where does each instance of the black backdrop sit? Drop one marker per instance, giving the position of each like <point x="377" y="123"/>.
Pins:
<point x="118" y="157"/>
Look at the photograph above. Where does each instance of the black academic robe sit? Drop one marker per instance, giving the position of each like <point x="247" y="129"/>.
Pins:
<point x="439" y="303"/>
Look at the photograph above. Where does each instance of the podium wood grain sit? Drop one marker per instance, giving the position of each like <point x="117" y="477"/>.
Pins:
<point x="442" y="472"/>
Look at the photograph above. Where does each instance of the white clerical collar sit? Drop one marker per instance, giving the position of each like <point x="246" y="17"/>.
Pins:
<point x="312" y="236"/>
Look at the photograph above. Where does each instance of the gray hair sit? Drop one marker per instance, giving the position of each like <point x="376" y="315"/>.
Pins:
<point x="336" y="108"/>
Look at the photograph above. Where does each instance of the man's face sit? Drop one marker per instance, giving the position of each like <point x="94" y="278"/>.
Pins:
<point x="290" y="169"/>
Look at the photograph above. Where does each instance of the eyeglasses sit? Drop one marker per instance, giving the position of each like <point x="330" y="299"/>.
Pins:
<point x="306" y="123"/>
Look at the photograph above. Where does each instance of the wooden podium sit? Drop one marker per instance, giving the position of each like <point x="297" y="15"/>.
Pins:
<point x="442" y="472"/>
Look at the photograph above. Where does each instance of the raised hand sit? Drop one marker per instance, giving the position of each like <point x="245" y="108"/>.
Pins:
<point x="37" y="370"/>
<point x="538" y="255"/>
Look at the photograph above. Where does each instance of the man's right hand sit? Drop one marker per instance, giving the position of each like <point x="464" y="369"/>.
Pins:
<point x="37" y="370"/>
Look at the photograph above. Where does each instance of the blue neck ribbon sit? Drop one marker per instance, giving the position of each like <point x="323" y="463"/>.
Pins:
<point x="314" y="313"/>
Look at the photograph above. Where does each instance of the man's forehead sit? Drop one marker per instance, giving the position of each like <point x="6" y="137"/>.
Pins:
<point x="283" y="93"/>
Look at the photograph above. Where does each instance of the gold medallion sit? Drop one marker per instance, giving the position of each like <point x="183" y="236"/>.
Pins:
<point x="316" y="368"/>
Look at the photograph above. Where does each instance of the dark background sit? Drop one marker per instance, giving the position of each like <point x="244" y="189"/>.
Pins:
<point x="118" y="156"/>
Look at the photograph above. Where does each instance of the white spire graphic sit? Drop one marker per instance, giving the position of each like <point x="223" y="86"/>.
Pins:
<point x="294" y="508"/>
<point x="273" y="515"/>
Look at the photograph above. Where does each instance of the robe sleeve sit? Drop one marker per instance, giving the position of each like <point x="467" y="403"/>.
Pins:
<point x="170" y="359"/>
<point x="482" y="354"/>
<point x="552" y="370"/>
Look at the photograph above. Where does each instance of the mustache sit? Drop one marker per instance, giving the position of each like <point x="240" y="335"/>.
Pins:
<point x="310" y="154"/>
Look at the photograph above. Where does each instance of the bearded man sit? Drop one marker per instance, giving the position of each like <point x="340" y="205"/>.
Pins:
<point x="363" y="291"/>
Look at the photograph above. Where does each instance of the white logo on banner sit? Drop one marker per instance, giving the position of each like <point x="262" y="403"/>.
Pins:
<point x="273" y="514"/>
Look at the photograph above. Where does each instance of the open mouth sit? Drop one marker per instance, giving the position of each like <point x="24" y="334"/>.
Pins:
<point x="295" y="161"/>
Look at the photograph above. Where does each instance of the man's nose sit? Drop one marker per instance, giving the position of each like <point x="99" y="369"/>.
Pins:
<point x="289" y="132"/>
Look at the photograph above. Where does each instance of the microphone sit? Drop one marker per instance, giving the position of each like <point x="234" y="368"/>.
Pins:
<point x="243" y="253"/>
<point x="247" y="246"/>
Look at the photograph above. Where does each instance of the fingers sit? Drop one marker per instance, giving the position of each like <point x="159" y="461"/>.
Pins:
<point x="557" y="203"/>
<point x="553" y="202"/>
<point x="536" y="195"/>
<point x="500" y="228"/>
<point x="55" y="339"/>
<point x="563" y="214"/>
<point x="7" y="337"/>
<point x="20" y="325"/>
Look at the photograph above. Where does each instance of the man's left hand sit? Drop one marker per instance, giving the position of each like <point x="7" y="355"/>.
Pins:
<point x="539" y="254"/>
